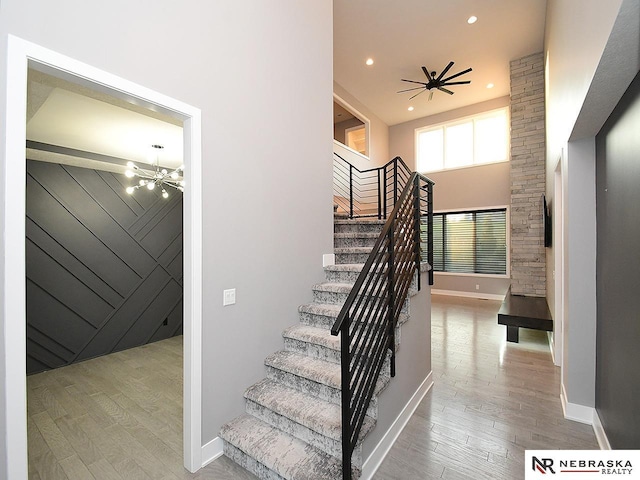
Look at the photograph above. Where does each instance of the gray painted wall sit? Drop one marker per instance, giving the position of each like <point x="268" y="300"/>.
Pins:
<point x="586" y="42"/>
<point x="618" y="272"/>
<point x="256" y="218"/>
<point x="104" y="268"/>
<point x="413" y="365"/>
<point x="466" y="188"/>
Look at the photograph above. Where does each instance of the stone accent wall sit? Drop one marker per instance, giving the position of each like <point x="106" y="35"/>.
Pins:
<point x="528" y="276"/>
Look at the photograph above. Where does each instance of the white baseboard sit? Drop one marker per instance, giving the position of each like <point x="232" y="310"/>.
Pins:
<point x="601" y="435"/>
<point x="459" y="293"/>
<point x="575" y="412"/>
<point x="211" y="451"/>
<point x="371" y="464"/>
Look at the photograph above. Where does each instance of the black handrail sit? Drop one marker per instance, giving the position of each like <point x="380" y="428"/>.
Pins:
<point x="369" y="317"/>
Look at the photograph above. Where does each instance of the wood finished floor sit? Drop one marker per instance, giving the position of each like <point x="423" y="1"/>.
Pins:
<point x="490" y="401"/>
<point x="120" y="416"/>
<point x="114" y="417"/>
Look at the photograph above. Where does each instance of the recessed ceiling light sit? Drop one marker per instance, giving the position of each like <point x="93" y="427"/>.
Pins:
<point x="410" y="109"/>
<point x="489" y="85"/>
<point x="369" y="61"/>
<point x="472" y="19"/>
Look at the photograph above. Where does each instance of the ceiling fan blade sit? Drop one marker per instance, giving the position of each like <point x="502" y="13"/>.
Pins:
<point x="418" y="94"/>
<point x="443" y="73"/>
<point x="457" y="75"/>
<point x="412" y="81"/>
<point x="445" y="90"/>
<point x="426" y="72"/>
<point x="409" y="89"/>
<point x="444" y="84"/>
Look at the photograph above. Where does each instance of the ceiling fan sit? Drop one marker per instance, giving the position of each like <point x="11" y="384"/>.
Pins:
<point x="436" y="82"/>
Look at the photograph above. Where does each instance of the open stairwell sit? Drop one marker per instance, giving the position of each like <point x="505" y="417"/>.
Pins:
<point x="292" y="425"/>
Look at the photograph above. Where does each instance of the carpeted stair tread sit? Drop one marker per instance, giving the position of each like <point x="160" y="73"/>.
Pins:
<point x="289" y="457"/>
<point x="317" y="415"/>
<point x="352" y="250"/>
<point x="345" y="267"/>
<point x="358" y="221"/>
<point x="343" y="235"/>
<point x="314" y="335"/>
<point x="333" y="287"/>
<point x="316" y="370"/>
<point x="326" y="309"/>
<point x="311" y="368"/>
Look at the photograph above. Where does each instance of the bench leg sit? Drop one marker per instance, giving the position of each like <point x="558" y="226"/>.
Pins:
<point x="512" y="333"/>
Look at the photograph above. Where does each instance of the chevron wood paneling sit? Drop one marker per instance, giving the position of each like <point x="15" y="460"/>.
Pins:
<point x="104" y="268"/>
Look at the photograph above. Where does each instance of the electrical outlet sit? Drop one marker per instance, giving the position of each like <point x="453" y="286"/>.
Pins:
<point x="228" y="297"/>
<point x="477" y="287"/>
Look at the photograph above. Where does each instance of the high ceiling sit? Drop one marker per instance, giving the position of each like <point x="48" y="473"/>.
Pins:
<point x="402" y="36"/>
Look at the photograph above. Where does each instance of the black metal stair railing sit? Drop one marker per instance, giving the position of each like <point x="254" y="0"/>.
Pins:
<point x="369" y="317"/>
<point x="367" y="193"/>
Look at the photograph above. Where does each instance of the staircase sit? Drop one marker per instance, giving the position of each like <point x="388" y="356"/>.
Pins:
<point x="292" y="425"/>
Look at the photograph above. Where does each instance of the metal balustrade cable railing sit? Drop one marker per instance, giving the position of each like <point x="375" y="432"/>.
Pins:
<point x="367" y="193"/>
<point x="368" y="319"/>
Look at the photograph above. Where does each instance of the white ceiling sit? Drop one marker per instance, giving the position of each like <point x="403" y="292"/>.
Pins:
<point x="402" y="36"/>
<point x="65" y="115"/>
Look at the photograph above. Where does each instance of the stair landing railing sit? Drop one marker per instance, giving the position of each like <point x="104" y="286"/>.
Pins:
<point x="368" y="320"/>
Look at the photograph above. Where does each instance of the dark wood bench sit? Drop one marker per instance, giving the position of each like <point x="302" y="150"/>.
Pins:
<point x="527" y="312"/>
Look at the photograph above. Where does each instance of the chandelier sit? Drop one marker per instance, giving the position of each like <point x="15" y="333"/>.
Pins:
<point x="157" y="178"/>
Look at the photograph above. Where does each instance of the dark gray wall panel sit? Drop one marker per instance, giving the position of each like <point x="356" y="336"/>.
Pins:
<point x="104" y="268"/>
<point x="618" y="272"/>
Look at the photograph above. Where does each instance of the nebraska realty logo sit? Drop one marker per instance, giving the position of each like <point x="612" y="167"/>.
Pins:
<point x="582" y="464"/>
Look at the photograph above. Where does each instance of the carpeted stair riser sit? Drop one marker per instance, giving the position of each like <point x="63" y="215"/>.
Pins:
<point x="312" y="350"/>
<point x="348" y="240"/>
<point x="352" y="255"/>
<point x="336" y="294"/>
<point x="358" y="226"/>
<point x="348" y="273"/>
<point x="250" y="464"/>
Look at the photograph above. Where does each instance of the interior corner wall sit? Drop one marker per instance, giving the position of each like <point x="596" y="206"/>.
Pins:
<point x="528" y="260"/>
<point x="264" y="187"/>
<point x="379" y="152"/>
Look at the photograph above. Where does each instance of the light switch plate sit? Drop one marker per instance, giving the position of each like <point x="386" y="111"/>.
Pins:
<point x="228" y="297"/>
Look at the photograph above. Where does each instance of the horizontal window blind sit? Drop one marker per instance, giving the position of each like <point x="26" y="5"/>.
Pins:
<point x="470" y="242"/>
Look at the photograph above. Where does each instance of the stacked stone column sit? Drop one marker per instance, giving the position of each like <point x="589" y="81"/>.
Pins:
<point x="528" y="264"/>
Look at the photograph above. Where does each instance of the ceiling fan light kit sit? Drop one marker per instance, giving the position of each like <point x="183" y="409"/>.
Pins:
<point x="159" y="177"/>
<point x="438" y="82"/>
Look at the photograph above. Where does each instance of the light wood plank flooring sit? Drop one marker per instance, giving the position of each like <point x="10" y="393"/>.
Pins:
<point x="114" y="417"/>
<point x="491" y="401"/>
<point x="120" y="416"/>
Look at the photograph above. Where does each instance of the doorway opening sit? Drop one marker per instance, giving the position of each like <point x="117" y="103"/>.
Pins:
<point x="22" y="55"/>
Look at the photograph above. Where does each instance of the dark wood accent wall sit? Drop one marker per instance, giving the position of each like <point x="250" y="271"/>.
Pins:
<point x="104" y="268"/>
<point x="618" y="272"/>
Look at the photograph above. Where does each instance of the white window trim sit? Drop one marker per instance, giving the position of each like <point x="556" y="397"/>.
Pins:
<point x="508" y="240"/>
<point x="459" y="121"/>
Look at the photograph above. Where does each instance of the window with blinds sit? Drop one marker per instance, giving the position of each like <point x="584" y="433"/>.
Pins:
<point x="470" y="242"/>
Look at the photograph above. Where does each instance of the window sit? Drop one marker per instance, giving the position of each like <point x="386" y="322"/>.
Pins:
<point x="475" y="140"/>
<point x="470" y="242"/>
